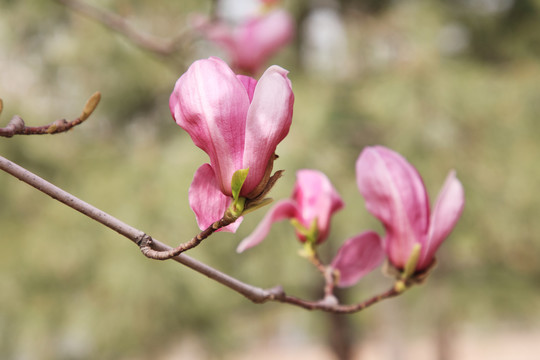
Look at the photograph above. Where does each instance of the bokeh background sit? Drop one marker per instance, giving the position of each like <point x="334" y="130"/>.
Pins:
<point x="448" y="84"/>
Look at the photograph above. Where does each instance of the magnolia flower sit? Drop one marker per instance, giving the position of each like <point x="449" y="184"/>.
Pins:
<point x="357" y="257"/>
<point x="238" y="122"/>
<point x="251" y="43"/>
<point x="396" y="195"/>
<point x="313" y="202"/>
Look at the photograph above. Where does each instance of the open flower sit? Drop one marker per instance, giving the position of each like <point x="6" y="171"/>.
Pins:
<point x="251" y="43"/>
<point x="396" y="195"/>
<point x="238" y="122"/>
<point x="313" y="202"/>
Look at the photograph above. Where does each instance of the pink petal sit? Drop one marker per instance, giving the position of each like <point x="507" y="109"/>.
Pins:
<point x="211" y="104"/>
<point x="207" y="201"/>
<point x="446" y="213"/>
<point x="357" y="257"/>
<point x="395" y="194"/>
<point x="284" y="209"/>
<point x="249" y="83"/>
<point x="316" y="199"/>
<point x="268" y="122"/>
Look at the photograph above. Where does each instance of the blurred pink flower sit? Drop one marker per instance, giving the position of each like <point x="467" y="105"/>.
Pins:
<point x="270" y="2"/>
<point x="357" y="257"/>
<point x="313" y="202"/>
<point x="396" y="195"/>
<point x="250" y="44"/>
<point x="238" y="122"/>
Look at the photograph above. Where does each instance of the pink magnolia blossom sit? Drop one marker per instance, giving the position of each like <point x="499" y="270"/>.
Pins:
<point x="250" y="44"/>
<point x="396" y="195"/>
<point x="314" y="199"/>
<point x="357" y="257"/>
<point x="238" y="122"/>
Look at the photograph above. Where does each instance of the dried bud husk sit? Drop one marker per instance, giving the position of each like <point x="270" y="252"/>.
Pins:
<point x="263" y="185"/>
<point x="261" y="200"/>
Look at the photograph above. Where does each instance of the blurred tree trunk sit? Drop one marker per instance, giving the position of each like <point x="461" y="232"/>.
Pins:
<point x="444" y="339"/>
<point x="341" y="335"/>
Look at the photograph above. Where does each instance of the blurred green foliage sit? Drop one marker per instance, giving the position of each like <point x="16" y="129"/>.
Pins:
<point x="72" y="289"/>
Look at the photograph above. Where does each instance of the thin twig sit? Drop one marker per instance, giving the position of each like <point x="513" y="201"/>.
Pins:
<point x="16" y="125"/>
<point x="326" y="271"/>
<point x="147" y="246"/>
<point x="330" y="305"/>
<point x="255" y="294"/>
<point x="160" y="46"/>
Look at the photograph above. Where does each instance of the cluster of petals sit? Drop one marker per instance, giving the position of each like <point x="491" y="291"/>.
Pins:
<point x="251" y="43"/>
<point x="395" y="194"/>
<point x="238" y="121"/>
<point x="314" y="200"/>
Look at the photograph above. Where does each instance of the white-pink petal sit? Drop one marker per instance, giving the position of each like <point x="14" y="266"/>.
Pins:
<point x="268" y="121"/>
<point x="394" y="193"/>
<point x="211" y="104"/>
<point x="283" y="209"/>
<point x="447" y="210"/>
<point x="207" y="201"/>
<point x="357" y="257"/>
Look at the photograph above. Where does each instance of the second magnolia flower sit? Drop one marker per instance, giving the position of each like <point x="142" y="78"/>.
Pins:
<point x="238" y="122"/>
<point x="311" y="206"/>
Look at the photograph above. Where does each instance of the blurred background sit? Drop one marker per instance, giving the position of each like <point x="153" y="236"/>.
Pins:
<point x="448" y="84"/>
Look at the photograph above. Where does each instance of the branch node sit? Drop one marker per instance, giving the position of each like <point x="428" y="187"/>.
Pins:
<point x="329" y="301"/>
<point x="57" y="126"/>
<point x="15" y="125"/>
<point x="274" y="293"/>
<point x="143" y="240"/>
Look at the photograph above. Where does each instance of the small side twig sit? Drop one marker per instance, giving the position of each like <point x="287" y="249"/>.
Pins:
<point x="16" y="125"/>
<point x="149" y="252"/>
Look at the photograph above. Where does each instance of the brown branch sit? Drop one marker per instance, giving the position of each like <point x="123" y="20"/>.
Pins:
<point x="329" y="304"/>
<point x="255" y="294"/>
<point x="137" y="236"/>
<point x="160" y="46"/>
<point x="16" y="125"/>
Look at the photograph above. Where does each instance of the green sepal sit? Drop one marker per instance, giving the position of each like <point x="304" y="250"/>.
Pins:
<point x="237" y="181"/>
<point x="237" y="206"/>
<point x="307" y="251"/>
<point x="410" y="266"/>
<point x="311" y="234"/>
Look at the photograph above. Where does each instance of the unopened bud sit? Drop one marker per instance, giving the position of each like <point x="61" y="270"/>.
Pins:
<point x="400" y="286"/>
<point x="91" y="105"/>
